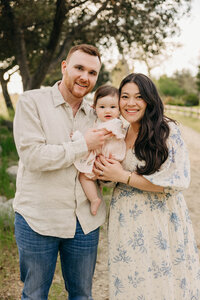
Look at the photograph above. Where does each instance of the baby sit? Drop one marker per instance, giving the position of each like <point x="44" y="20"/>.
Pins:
<point x="106" y="105"/>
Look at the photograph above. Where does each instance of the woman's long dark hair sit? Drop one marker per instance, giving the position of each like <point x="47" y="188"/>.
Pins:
<point x="150" y="145"/>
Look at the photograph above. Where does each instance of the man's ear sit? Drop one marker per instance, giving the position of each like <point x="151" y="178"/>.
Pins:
<point x="63" y="66"/>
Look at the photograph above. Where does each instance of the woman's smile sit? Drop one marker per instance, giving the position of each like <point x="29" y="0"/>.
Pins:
<point x="132" y="105"/>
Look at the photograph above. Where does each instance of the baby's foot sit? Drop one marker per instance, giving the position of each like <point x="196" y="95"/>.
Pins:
<point x="95" y="205"/>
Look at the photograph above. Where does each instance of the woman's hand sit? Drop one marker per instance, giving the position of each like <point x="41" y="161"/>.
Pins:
<point x="109" y="169"/>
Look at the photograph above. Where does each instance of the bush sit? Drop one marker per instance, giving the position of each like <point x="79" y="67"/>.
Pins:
<point x="169" y="87"/>
<point x="8" y="156"/>
<point x="7" y="141"/>
<point x="174" y="101"/>
<point x="191" y="99"/>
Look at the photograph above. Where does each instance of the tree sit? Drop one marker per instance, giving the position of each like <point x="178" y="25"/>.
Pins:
<point x="4" y="84"/>
<point x="198" y="79"/>
<point x="198" y="82"/>
<point x="120" y="70"/>
<point x="40" y="33"/>
<point x="185" y="80"/>
<point x="180" y="88"/>
<point x="169" y="87"/>
<point x="152" y="60"/>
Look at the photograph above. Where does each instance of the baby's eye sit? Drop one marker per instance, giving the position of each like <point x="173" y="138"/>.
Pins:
<point x="102" y="106"/>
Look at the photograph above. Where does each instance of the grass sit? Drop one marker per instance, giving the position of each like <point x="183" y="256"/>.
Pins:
<point x="7" y="183"/>
<point x="8" y="157"/>
<point x="6" y="229"/>
<point x="187" y="121"/>
<point x="4" y="112"/>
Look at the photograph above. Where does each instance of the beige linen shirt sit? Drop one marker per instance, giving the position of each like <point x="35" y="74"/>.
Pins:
<point x="49" y="195"/>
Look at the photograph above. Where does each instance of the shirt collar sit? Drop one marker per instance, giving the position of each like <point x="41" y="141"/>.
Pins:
<point x="57" y="96"/>
<point x="59" y="100"/>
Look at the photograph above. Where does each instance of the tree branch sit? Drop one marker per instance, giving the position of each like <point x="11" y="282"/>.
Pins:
<point x="52" y="45"/>
<point x="73" y="34"/>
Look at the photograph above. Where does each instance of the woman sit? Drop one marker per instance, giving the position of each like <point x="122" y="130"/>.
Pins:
<point x="152" y="251"/>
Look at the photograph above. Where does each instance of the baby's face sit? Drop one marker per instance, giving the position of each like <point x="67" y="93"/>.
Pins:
<point x="107" y="108"/>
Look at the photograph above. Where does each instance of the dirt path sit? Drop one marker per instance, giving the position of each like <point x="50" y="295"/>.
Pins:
<point x="192" y="194"/>
<point x="192" y="197"/>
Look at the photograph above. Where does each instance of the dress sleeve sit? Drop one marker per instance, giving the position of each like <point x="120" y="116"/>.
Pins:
<point x="174" y="174"/>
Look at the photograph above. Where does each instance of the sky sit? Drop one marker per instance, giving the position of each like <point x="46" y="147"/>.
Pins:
<point x="185" y="57"/>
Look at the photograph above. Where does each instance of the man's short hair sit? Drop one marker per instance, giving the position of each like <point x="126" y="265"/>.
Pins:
<point x="89" y="49"/>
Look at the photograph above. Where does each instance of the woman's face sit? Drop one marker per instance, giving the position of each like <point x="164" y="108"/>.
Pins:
<point x="132" y="106"/>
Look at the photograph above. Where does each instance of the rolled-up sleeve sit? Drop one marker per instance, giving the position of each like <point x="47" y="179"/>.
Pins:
<point x="34" y="151"/>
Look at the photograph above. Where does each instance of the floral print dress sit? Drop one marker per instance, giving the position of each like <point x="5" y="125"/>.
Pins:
<point x="152" y="251"/>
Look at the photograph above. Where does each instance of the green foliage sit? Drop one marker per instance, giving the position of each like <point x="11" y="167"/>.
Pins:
<point x="6" y="229"/>
<point x="191" y="99"/>
<point x="7" y="183"/>
<point x="185" y="80"/>
<point x="8" y="156"/>
<point x="174" y="101"/>
<point x="180" y="89"/>
<point x="198" y="79"/>
<point x="107" y="191"/>
<point x="37" y="35"/>
<point x="7" y="141"/>
<point x="169" y="87"/>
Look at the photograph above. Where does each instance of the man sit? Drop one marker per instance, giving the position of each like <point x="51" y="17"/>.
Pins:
<point x="52" y="214"/>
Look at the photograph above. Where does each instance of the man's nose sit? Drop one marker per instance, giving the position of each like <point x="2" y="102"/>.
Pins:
<point x="84" y="76"/>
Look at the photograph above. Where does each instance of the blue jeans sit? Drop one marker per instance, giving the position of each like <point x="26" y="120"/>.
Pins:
<point x="38" y="256"/>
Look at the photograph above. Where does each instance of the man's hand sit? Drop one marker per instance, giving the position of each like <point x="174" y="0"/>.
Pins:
<point x="95" y="138"/>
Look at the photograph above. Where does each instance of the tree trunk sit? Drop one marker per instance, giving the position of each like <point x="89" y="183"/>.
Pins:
<point x="4" y="85"/>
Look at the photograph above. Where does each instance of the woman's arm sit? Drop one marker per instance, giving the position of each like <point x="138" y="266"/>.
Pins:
<point x="113" y="171"/>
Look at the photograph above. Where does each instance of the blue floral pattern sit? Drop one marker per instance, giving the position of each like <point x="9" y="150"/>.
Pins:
<point x="152" y="250"/>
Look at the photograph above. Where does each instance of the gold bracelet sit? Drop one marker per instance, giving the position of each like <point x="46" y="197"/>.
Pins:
<point x="129" y="177"/>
